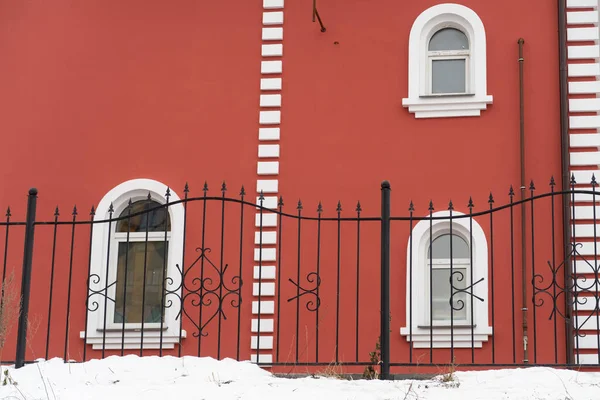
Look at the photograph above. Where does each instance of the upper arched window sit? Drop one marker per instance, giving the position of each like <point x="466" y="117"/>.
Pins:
<point x="448" y="54"/>
<point x="447" y="74"/>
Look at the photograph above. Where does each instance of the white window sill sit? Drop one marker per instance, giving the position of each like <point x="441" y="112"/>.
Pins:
<point x="445" y="338"/>
<point x="113" y="340"/>
<point x="444" y="106"/>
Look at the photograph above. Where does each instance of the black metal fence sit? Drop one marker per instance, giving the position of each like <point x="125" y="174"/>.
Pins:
<point x="463" y="285"/>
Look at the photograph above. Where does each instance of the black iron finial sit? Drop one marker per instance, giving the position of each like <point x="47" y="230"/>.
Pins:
<point x="491" y="199"/>
<point x="450" y="205"/>
<point x="223" y="187"/>
<point x="358" y="207"/>
<point x="242" y="191"/>
<point x="511" y="191"/>
<point x="149" y="197"/>
<point x="168" y="192"/>
<point x="261" y="196"/>
<point x="411" y="207"/>
<point x="129" y="203"/>
<point x="186" y="188"/>
<point x="573" y="181"/>
<point x="111" y="208"/>
<point x="552" y="181"/>
<point x="299" y="206"/>
<point x="74" y="213"/>
<point x="594" y="183"/>
<point x="470" y="205"/>
<point x="320" y="208"/>
<point x="56" y="213"/>
<point x="339" y="207"/>
<point x="431" y="205"/>
<point x="8" y="214"/>
<point x="280" y="204"/>
<point x="205" y="187"/>
<point x="531" y="186"/>
<point x="93" y="211"/>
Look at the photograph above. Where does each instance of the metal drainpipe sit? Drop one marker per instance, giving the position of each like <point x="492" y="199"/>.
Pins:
<point x="521" y="42"/>
<point x="564" y="130"/>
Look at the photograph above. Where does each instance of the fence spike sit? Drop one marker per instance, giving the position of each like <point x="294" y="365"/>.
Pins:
<point x="471" y="205"/>
<point x="358" y="207"/>
<point x="93" y="211"/>
<point x="299" y="207"/>
<point x="205" y="187"/>
<point x="242" y="191"/>
<point x="261" y="197"/>
<point x="56" y="213"/>
<point x="531" y="185"/>
<point x="552" y="182"/>
<point x="411" y="207"/>
<point x="573" y="181"/>
<point x="450" y="205"/>
<point x="8" y="214"/>
<point x="111" y="208"/>
<point x="280" y="204"/>
<point x="491" y="198"/>
<point x="168" y="192"/>
<point x="339" y="207"/>
<point x="74" y="213"/>
<point x="431" y="205"/>
<point x="320" y="208"/>
<point x="594" y="183"/>
<point x="224" y="187"/>
<point x="186" y="188"/>
<point x="149" y="196"/>
<point x="511" y="191"/>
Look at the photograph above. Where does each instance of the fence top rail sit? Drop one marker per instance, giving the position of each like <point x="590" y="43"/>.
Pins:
<point x="411" y="211"/>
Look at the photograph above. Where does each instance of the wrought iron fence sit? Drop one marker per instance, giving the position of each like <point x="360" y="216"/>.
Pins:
<point x="475" y="286"/>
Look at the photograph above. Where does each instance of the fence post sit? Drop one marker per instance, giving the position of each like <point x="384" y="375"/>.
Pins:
<point x="26" y="278"/>
<point x="385" y="280"/>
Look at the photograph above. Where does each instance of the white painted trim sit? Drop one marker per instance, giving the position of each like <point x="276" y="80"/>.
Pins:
<point x="585" y="158"/>
<point x="268" y="133"/>
<point x="582" y="3"/>
<point x="268" y="150"/>
<point x="426" y="24"/>
<point x="269" y="237"/>
<point x="266" y="289"/>
<point x="266" y="325"/>
<point x="272" y="33"/>
<point x="272" y="18"/>
<point x="266" y="342"/>
<point x="421" y="336"/>
<point x="270" y="100"/>
<point x="582" y="34"/>
<point x="268" y="272"/>
<point x="268" y="220"/>
<point x="584" y="122"/>
<point x="266" y="307"/>
<point x="265" y="254"/>
<point x="270" y="84"/>
<point x="582" y="17"/>
<point x="272" y="4"/>
<point x="583" y="52"/>
<point x="269" y="117"/>
<point x="272" y="50"/>
<point x="271" y="67"/>
<point x="584" y="87"/>
<point x="267" y="186"/>
<point x="584" y="140"/>
<point x="136" y="189"/>
<point x="580" y="70"/>
<point x="271" y="202"/>
<point x="261" y="358"/>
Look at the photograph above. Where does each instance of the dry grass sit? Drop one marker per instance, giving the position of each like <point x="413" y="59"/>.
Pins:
<point x="10" y="308"/>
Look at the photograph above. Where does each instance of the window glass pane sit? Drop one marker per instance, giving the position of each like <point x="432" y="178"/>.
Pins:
<point x="154" y="219"/>
<point x="441" y="294"/>
<point x="133" y="295"/>
<point x="448" y="76"/>
<point x="441" y="247"/>
<point x="448" y="39"/>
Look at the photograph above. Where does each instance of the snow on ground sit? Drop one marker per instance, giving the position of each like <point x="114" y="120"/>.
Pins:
<point x="148" y="378"/>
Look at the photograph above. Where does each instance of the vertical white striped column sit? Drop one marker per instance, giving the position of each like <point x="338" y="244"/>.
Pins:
<point x="265" y="239"/>
<point x="583" y="55"/>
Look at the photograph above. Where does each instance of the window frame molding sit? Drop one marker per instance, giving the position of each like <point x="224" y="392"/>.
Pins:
<point x="420" y="101"/>
<point x="119" y="196"/>
<point x="421" y="334"/>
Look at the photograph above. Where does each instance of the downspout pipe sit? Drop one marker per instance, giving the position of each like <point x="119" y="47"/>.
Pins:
<point x="523" y="188"/>
<point x="564" y="143"/>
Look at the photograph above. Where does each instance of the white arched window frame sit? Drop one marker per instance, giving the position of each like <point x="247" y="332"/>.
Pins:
<point x="421" y="101"/>
<point x="119" y="197"/>
<point x="418" y="321"/>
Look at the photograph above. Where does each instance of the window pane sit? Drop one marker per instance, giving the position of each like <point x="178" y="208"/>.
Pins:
<point x="441" y="247"/>
<point x="448" y="39"/>
<point x="135" y="282"/>
<point x="448" y="76"/>
<point x="154" y="219"/>
<point x="441" y="294"/>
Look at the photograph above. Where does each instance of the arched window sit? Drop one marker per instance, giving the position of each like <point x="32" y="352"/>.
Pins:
<point x="448" y="54"/>
<point x="141" y="242"/>
<point x="447" y="73"/>
<point x="449" y="256"/>
<point x="135" y="249"/>
<point x="439" y="308"/>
